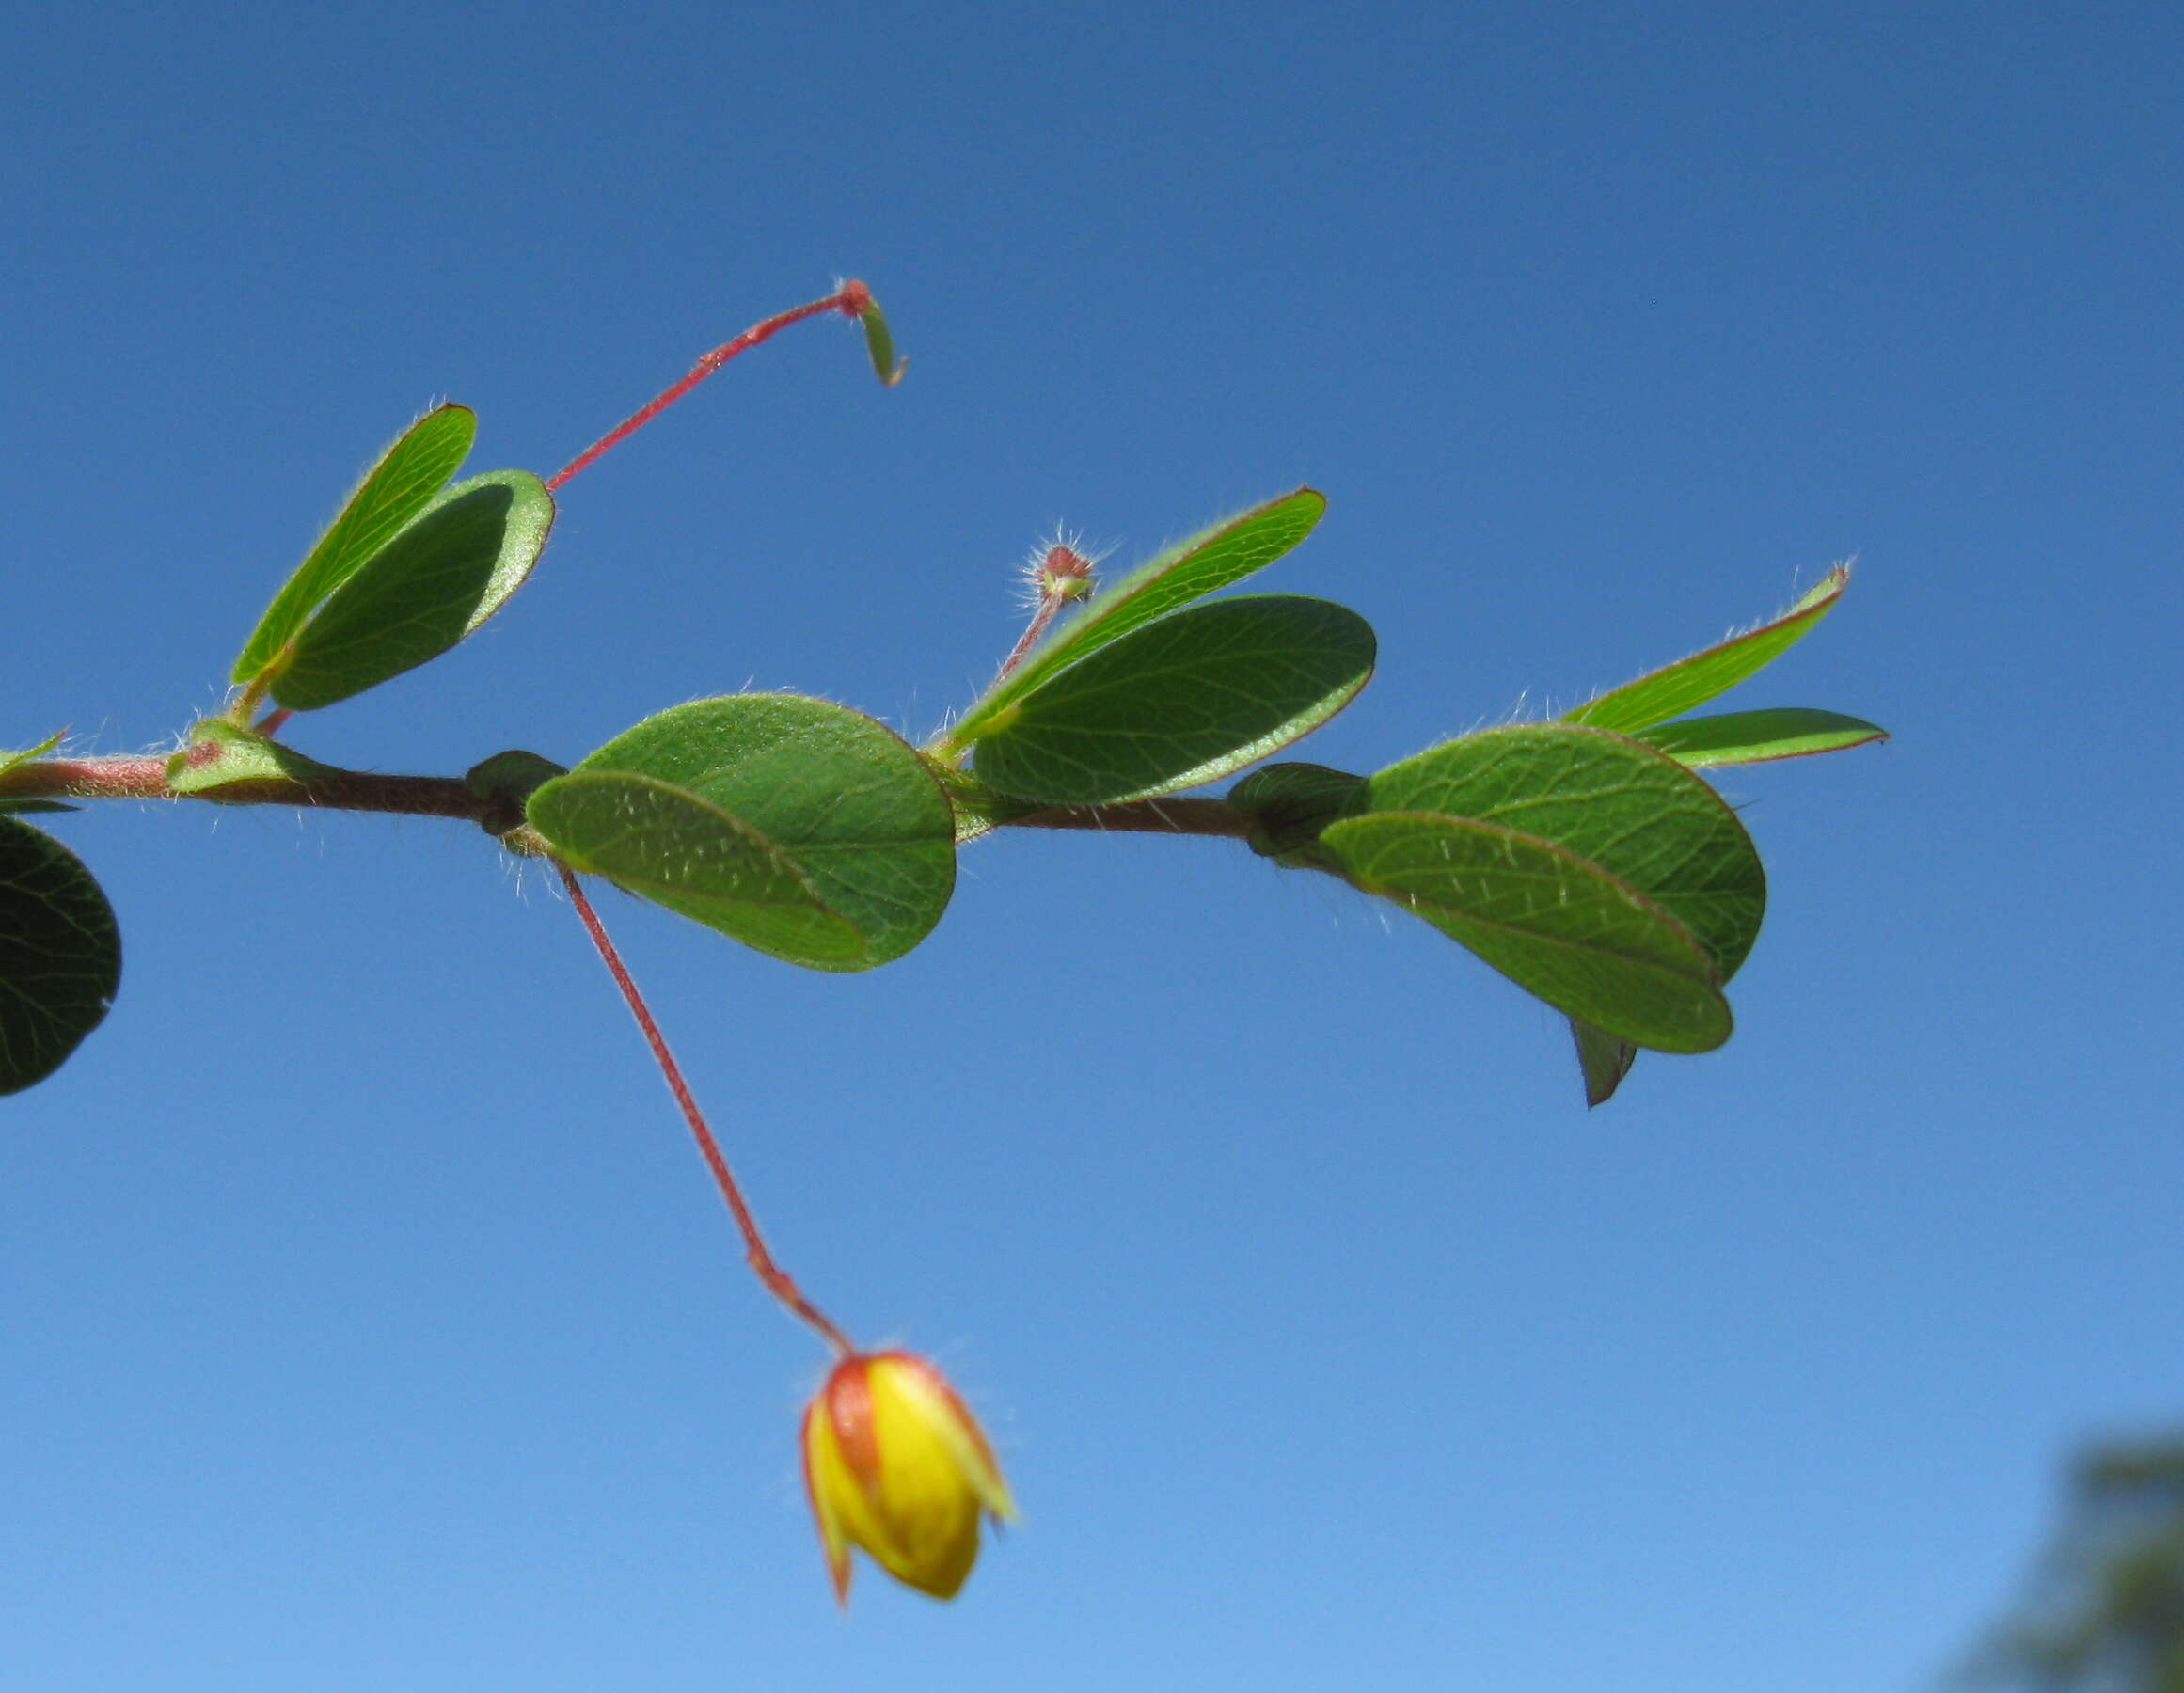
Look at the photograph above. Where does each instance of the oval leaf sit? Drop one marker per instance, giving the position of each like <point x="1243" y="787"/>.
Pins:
<point x="1180" y="701"/>
<point x="1689" y="682"/>
<point x="421" y="593"/>
<point x="1634" y="812"/>
<point x="1190" y="570"/>
<point x="394" y="490"/>
<point x="1739" y="737"/>
<point x="1556" y="925"/>
<point x="667" y="844"/>
<point x="851" y="814"/>
<point x="60" y="954"/>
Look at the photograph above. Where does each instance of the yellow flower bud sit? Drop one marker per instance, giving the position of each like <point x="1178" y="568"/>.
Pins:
<point x="895" y="1464"/>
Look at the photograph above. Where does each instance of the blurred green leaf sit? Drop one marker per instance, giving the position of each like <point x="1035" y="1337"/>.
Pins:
<point x="1675" y="688"/>
<point x="798" y="826"/>
<point x="1603" y="1059"/>
<point x="221" y="756"/>
<point x="24" y="808"/>
<point x="60" y="954"/>
<point x="885" y="365"/>
<point x="1190" y="570"/>
<point x="1556" y="924"/>
<point x="10" y="760"/>
<point x="1736" y="737"/>
<point x="1179" y="702"/>
<point x="421" y="593"/>
<point x="393" y="491"/>
<point x="1635" y="813"/>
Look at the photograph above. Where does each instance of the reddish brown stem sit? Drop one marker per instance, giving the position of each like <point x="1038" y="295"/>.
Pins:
<point x="1049" y="603"/>
<point x="850" y="299"/>
<point x="777" y="1280"/>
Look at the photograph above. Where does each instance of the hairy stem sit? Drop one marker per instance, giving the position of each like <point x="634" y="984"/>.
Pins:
<point x="850" y="299"/>
<point x="777" y="1281"/>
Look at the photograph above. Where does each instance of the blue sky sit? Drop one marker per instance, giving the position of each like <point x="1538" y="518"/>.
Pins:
<point x="367" y="1323"/>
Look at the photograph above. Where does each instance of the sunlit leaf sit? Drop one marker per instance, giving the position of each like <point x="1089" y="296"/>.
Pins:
<point x="1689" y="683"/>
<point x="1635" y="813"/>
<point x="393" y="491"/>
<point x="1190" y="570"/>
<point x="1737" y="737"/>
<point x="1556" y="924"/>
<point x="1179" y="702"/>
<point x="798" y="826"/>
<point x="60" y="954"/>
<point x="222" y="756"/>
<point x="421" y="593"/>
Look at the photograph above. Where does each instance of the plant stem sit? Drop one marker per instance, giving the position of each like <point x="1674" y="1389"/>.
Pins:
<point x="850" y="299"/>
<point x="143" y="776"/>
<point x="777" y="1281"/>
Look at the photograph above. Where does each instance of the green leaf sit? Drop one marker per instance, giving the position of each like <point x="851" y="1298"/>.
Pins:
<point x="1603" y="1059"/>
<point x="885" y="365"/>
<point x="667" y="844"/>
<point x="10" y="760"/>
<point x="220" y="756"/>
<point x="393" y="491"/>
<point x="1190" y="570"/>
<point x="1290" y="803"/>
<point x="1180" y="701"/>
<point x="60" y="954"/>
<point x="1556" y="924"/>
<point x="1635" y="813"/>
<point x="421" y="593"/>
<point x="798" y="826"/>
<point x="23" y="808"/>
<point x="1737" y="737"/>
<point x="1675" y="688"/>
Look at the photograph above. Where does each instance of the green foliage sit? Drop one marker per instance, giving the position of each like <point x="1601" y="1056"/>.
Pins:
<point x="1211" y="560"/>
<point x="1735" y="737"/>
<point x="2104" y="1612"/>
<point x="399" y="485"/>
<point x="1587" y="868"/>
<point x="798" y="827"/>
<point x="223" y="761"/>
<point x="1675" y="688"/>
<point x="1179" y="702"/>
<point x="424" y="590"/>
<point x="60" y="954"/>
<point x="1582" y="859"/>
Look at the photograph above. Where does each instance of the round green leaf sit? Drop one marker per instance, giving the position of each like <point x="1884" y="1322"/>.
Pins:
<point x="773" y="801"/>
<point x="421" y="593"/>
<point x="1553" y="923"/>
<point x="1179" y="702"/>
<point x="1634" y="812"/>
<point x="60" y="954"/>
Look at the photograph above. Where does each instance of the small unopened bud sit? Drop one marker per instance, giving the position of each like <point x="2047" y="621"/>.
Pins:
<point x="1057" y="573"/>
<point x="895" y="1464"/>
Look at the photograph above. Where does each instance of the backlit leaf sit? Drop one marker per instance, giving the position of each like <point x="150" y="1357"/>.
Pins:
<point x="1689" y="682"/>
<point x="421" y="593"/>
<point x="1179" y="702"/>
<point x="393" y="491"/>
<point x="1739" y="737"/>
<point x="1188" y="571"/>
<point x="1556" y="924"/>
<point x="798" y="826"/>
